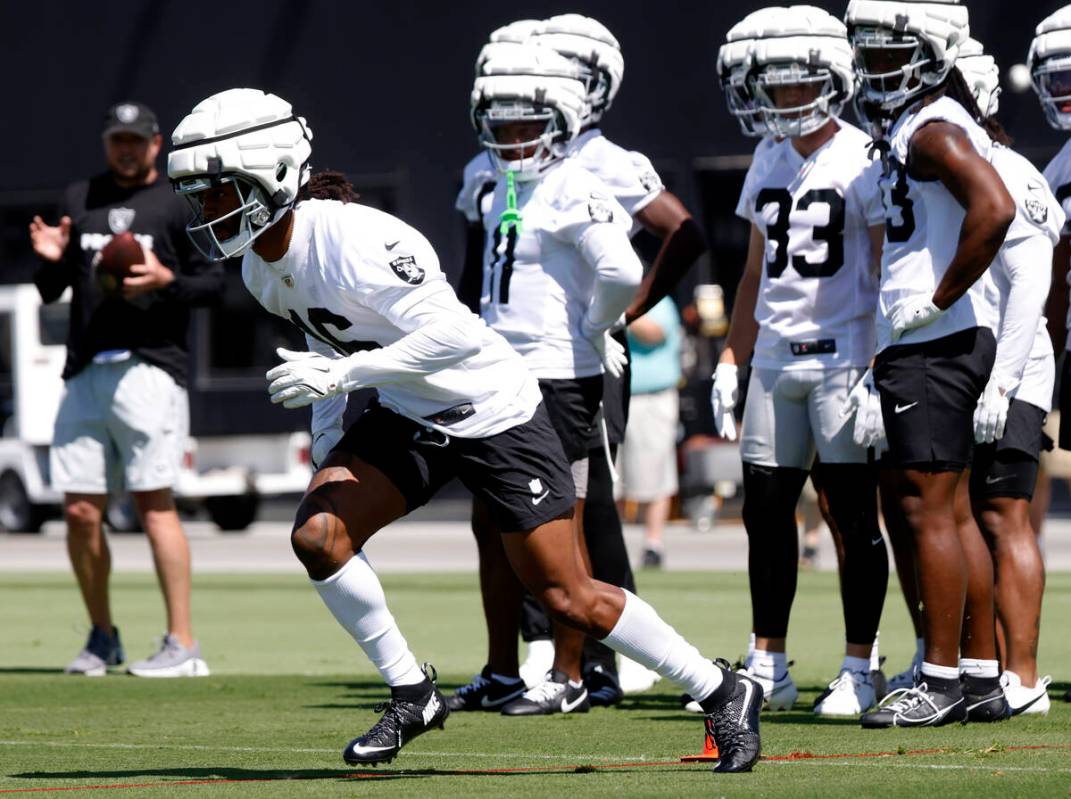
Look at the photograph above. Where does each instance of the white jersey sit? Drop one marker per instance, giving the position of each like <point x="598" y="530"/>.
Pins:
<point x="357" y="279"/>
<point x="477" y="184"/>
<point x="629" y="176"/>
<point x="1058" y="175"/>
<point x="922" y="229"/>
<point x="538" y="285"/>
<point x="817" y="294"/>
<point x="1024" y="355"/>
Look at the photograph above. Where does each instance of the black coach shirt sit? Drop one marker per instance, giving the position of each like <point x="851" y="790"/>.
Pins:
<point x="153" y="325"/>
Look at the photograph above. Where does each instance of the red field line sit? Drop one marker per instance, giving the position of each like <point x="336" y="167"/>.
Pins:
<point x="380" y="775"/>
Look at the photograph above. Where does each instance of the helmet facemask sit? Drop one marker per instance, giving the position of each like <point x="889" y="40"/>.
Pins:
<point x="1052" y="81"/>
<point x="892" y="67"/>
<point x="231" y="230"/>
<point x="542" y="131"/>
<point x="815" y="96"/>
<point x="740" y="104"/>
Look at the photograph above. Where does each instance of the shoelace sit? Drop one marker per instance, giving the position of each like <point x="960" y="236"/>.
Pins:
<point x="846" y="680"/>
<point x="903" y="700"/>
<point x="478" y="682"/>
<point x="544" y="691"/>
<point x="389" y="709"/>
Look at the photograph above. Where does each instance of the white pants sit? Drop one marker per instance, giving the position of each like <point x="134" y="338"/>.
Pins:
<point x="791" y="413"/>
<point x="119" y="425"/>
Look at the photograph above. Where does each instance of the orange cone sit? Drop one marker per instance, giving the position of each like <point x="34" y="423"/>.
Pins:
<point x="710" y="752"/>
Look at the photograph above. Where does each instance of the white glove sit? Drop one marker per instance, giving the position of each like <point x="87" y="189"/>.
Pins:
<point x="865" y="402"/>
<point x="305" y="377"/>
<point x="611" y="353"/>
<point x="911" y="312"/>
<point x="991" y="414"/>
<point x="723" y="399"/>
<point x="323" y="442"/>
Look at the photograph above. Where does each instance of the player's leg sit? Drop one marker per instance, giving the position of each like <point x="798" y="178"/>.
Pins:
<point x="903" y="546"/>
<point x="777" y="448"/>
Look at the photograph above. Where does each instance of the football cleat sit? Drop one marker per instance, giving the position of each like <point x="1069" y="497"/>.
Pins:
<point x="779" y="694"/>
<point x="917" y="707"/>
<point x="485" y="693"/>
<point x="985" y="700"/>
<point x="401" y="722"/>
<point x="734" y="725"/>
<point x="603" y="687"/>
<point x="850" y="694"/>
<point x="1023" y="700"/>
<point x="554" y="695"/>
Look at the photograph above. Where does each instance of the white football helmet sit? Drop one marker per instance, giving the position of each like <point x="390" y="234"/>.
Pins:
<point x="517" y="32"/>
<point x="732" y="67"/>
<point x="527" y="83"/>
<point x="809" y="52"/>
<point x="249" y="139"/>
<point x="982" y="75"/>
<point x="1050" y="67"/>
<point x="595" y="50"/>
<point x="904" y="48"/>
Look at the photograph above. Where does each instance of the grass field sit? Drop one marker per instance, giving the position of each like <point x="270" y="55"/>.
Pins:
<point x="289" y="689"/>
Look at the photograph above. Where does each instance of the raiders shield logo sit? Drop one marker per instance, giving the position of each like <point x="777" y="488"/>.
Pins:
<point x="406" y="268"/>
<point x="599" y="211"/>
<point x="120" y="219"/>
<point x="1036" y="210"/>
<point x="650" y="180"/>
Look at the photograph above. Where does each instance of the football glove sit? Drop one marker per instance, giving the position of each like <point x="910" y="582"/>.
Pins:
<point x="991" y="413"/>
<point x="611" y="353"/>
<point x="865" y="403"/>
<point x="306" y="377"/>
<point x="912" y="312"/>
<point x="723" y="396"/>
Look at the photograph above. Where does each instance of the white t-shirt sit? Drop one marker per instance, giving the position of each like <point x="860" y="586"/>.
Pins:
<point x="538" y="285"/>
<point x="817" y="295"/>
<point x="922" y="229"/>
<point x="1058" y="175"/>
<point x="355" y="279"/>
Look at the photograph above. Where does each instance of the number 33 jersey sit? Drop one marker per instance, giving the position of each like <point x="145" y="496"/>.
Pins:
<point x="355" y="278"/>
<point x="817" y="293"/>
<point x="538" y="282"/>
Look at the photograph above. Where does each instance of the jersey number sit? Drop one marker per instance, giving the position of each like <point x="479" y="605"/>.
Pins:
<point x="320" y="318"/>
<point x="832" y="233"/>
<point x="899" y="232"/>
<point x="502" y="259"/>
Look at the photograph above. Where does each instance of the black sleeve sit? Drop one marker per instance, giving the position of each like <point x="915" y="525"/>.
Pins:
<point x="52" y="279"/>
<point x="470" y="285"/>
<point x="198" y="281"/>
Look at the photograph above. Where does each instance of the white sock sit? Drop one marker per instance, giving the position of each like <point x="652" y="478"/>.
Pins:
<point x="769" y="665"/>
<point x="355" y="598"/>
<point x="940" y="672"/>
<point x="875" y="657"/>
<point x="641" y="635"/>
<point x="861" y="665"/>
<point x="750" y="650"/>
<point x="920" y="649"/>
<point x="976" y="667"/>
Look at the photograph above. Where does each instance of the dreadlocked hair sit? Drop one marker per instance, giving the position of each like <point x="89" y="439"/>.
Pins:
<point x="956" y="87"/>
<point x="329" y="185"/>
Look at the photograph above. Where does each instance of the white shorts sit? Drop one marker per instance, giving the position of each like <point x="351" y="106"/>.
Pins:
<point x="119" y="425"/>
<point x="647" y="458"/>
<point x="791" y="413"/>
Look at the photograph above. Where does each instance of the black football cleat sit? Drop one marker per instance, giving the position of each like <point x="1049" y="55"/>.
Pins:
<point x="485" y="693"/>
<point x="553" y="695"/>
<point x="401" y="722"/>
<point x="917" y="707"/>
<point x="603" y="687"/>
<point x="985" y="699"/>
<point x="734" y="726"/>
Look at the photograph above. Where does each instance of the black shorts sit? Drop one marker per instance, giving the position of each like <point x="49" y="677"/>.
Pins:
<point x="520" y="474"/>
<point x="928" y="393"/>
<point x="573" y="407"/>
<point x="1009" y="467"/>
<point x="1065" y="404"/>
<point x="615" y="398"/>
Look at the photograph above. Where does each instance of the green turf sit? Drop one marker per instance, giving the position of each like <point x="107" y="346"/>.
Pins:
<point x="289" y="689"/>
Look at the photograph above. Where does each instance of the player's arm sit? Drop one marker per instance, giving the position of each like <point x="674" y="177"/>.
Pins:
<point x="942" y="151"/>
<point x="1018" y="328"/>
<point x="618" y="272"/>
<point x="682" y="243"/>
<point x="1056" y="307"/>
<point x="743" y="329"/>
<point x="470" y="283"/>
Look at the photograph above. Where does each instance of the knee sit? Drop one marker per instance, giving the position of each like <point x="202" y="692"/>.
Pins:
<point x="315" y="539"/>
<point x="82" y="516"/>
<point x="573" y="607"/>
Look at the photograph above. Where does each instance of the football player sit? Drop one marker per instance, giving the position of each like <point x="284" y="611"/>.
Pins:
<point x="805" y="315"/>
<point x="947" y="213"/>
<point x="454" y="400"/>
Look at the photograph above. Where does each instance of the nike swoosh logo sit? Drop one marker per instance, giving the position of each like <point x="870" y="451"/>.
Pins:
<point x="391" y="246"/>
<point x="991" y="480"/>
<point x="568" y="707"/>
<point x="361" y="749"/>
<point x="902" y="408"/>
<point x="487" y="702"/>
<point x="1015" y="711"/>
<point x="537" y="500"/>
<point x="878" y="540"/>
<point x="749" y="689"/>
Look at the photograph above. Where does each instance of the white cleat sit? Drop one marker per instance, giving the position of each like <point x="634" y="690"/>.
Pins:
<point x="634" y="678"/>
<point x="1026" y="701"/>
<point x="776" y="694"/>
<point x="851" y="694"/>
<point x="539" y="661"/>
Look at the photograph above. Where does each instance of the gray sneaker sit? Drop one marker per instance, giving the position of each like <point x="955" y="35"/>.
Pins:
<point x="101" y="650"/>
<point x="172" y="660"/>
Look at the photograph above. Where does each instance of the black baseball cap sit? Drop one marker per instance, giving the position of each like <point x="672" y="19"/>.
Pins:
<point x="135" y="118"/>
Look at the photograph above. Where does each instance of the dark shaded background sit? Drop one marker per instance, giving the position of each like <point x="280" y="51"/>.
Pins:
<point x="385" y="88"/>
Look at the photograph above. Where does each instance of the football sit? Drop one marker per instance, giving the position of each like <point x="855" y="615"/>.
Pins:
<point x="114" y="262"/>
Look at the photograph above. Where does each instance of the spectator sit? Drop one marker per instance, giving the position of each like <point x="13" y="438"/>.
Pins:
<point x="648" y="457"/>
<point x="124" y="414"/>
